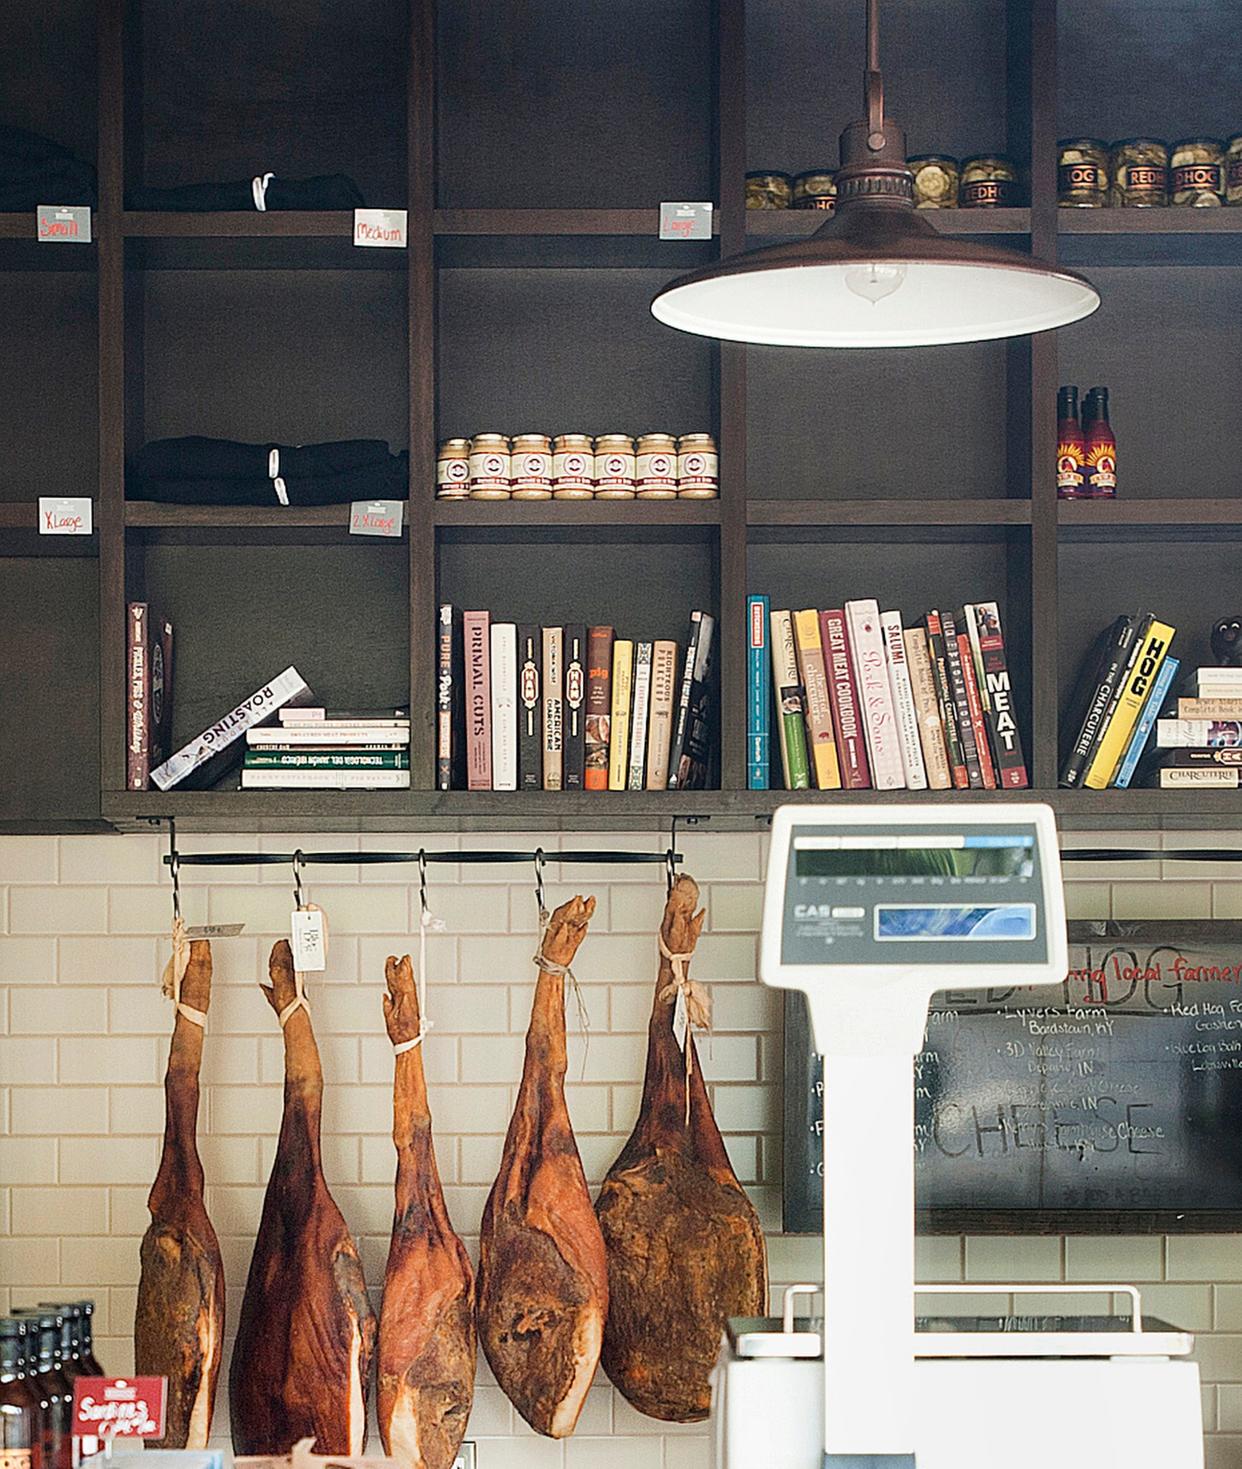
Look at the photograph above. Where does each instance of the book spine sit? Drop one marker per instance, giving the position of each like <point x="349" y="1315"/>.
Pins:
<point x="160" y="723"/>
<point x="327" y="760"/>
<point x="573" y="760"/>
<point x="1214" y="709"/>
<point x="927" y="707"/>
<point x="938" y="658"/>
<point x="790" y="704"/>
<point x="504" y="706"/>
<point x="978" y="726"/>
<point x="598" y="708"/>
<point x="1173" y="734"/>
<point x="1112" y="666"/>
<point x="663" y="689"/>
<point x="619" y="724"/>
<point x="553" y="707"/>
<point x="843" y="692"/>
<point x="138" y="698"/>
<point x="695" y="764"/>
<point x="1194" y="759"/>
<point x="961" y="701"/>
<point x="325" y="780"/>
<point x="814" y="677"/>
<point x="862" y="621"/>
<point x="293" y="737"/>
<point x="682" y="719"/>
<point x="1150" y="651"/>
<point x="640" y="716"/>
<point x="530" y="709"/>
<point x="1226" y="776"/>
<point x="1161" y="685"/>
<point x="446" y="695"/>
<point x="1011" y="772"/>
<point x="476" y="640"/>
<point x="758" y="695"/>
<point x="903" y="701"/>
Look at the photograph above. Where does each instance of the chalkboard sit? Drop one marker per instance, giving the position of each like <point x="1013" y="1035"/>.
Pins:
<point x="1112" y="1101"/>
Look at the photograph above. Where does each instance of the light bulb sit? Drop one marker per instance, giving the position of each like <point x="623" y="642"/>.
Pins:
<point x="874" y="282"/>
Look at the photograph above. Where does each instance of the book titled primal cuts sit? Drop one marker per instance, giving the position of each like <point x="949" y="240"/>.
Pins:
<point x="939" y="662"/>
<point x="573" y="759"/>
<point x="476" y="642"/>
<point x="758" y="699"/>
<point x="843" y="689"/>
<point x="879" y="719"/>
<point x="903" y="701"/>
<point x="553" y="707"/>
<point x="530" y="709"/>
<point x="148" y="693"/>
<point x="450" y="707"/>
<point x="961" y="701"/>
<point x="690" y="760"/>
<point x="598" y="708"/>
<point x="504" y="706"/>
<point x="210" y="753"/>
<point x="987" y="638"/>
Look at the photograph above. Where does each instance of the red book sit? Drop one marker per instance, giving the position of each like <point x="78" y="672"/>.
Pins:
<point x="598" y="706"/>
<point x="986" y="768"/>
<point x="843" y="695"/>
<point x="476" y="643"/>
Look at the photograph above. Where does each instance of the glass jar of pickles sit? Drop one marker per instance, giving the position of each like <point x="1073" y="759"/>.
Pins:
<point x="1233" y="170"/>
<point x="490" y="467"/>
<point x="614" y="467"/>
<point x="1139" y="174"/>
<point x="453" y="470"/>
<point x="767" y="189"/>
<point x="815" y="189"/>
<point x="989" y="181"/>
<point x="656" y="465"/>
<point x="532" y="467"/>
<point x="1197" y="173"/>
<point x="1082" y="173"/>
<point x="698" y="467"/>
<point x="936" y="180"/>
<point x="573" y="467"/>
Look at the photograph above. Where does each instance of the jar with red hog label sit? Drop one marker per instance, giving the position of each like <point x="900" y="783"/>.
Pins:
<point x="453" y="470"/>
<point x="698" y="467"/>
<point x="656" y="467"/>
<point x="1197" y="173"/>
<point x="490" y="467"/>
<point x="614" y="467"/>
<point x="989" y="181"/>
<point x="532" y="467"/>
<point x="573" y="467"/>
<point x="1233" y="171"/>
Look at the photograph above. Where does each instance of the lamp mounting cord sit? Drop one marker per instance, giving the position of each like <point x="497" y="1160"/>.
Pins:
<point x="873" y="90"/>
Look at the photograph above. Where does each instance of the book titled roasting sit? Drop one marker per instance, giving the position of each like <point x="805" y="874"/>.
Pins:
<point x="209" y="754"/>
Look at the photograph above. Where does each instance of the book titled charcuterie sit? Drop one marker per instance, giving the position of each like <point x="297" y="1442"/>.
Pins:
<point x="476" y="641"/>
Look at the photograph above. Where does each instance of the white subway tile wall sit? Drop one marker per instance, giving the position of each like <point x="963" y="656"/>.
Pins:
<point x="83" y="1041"/>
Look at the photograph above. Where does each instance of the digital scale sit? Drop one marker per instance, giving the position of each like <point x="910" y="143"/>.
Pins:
<point x="868" y="911"/>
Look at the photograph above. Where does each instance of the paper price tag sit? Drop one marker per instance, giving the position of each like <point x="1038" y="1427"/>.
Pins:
<point x="382" y="228"/>
<point x="214" y="931"/>
<point x="63" y="224"/>
<point x="119" y="1407"/>
<point x="685" y="221"/>
<point x="375" y="517"/>
<point x="681" y="1020"/>
<point x="64" y="517"/>
<point x="308" y="939"/>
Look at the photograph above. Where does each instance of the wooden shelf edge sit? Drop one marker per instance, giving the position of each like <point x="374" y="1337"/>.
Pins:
<point x="515" y="513"/>
<point x="881" y="512"/>
<point x="1168" y="221"/>
<point x="152" y="515"/>
<point x="17" y="226"/>
<point x="1172" y="512"/>
<point x="552" y="222"/>
<point x="279" y="224"/>
<point x="784" y="224"/>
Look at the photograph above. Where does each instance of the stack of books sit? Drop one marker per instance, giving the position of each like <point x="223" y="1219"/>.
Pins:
<point x="1123" y="685"/>
<point x="864" y="703"/>
<point x="1202" y="745"/>
<point x="320" y="749"/>
<point x="572" y="708"/>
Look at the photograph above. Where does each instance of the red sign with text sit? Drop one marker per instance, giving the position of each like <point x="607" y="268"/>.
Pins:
<point x="119" y="1407"/>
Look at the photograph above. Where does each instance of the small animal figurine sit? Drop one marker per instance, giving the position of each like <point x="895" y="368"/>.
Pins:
<point x="1227" y="642"/>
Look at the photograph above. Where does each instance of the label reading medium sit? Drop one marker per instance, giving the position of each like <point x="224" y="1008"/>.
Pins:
<point x="382" y="228"/>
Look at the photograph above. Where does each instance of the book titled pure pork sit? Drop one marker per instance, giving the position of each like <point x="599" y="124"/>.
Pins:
<point x="210" y="753"/>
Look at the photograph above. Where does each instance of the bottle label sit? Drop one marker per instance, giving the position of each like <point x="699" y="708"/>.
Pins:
<point x="1070" y="477"/>
<point x="532" y="469"/>
<point x="573" y="469"/>
<point x="658" y="469"/>
<point x="1101" y="469"/>
<point x="452" y="472"/>
<point x="489" y="470"/>
<point x="1203" y="177"/>
<point x="697" y="469"/>
<point x="1145" y="178"/>
<point x="987" y="193"/>
<point x="614" y="471"/>
<point x="1080" y="178"/>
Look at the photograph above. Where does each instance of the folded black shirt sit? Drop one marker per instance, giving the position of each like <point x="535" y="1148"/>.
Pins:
<point x="201" y="471"/>
<point x="34" y="171"/>
<point x="327" y="191"/>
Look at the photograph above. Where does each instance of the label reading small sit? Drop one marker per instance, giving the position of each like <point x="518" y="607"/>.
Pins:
<point x="375" y="518"/>
<point x="308" y="940"/>
<point x="64" y="517"/>
<point x="685" y="221"/>
<point x="380" y="228"/>
<point x="63" y="224"/>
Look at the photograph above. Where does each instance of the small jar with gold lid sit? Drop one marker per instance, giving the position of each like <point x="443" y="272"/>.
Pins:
<point x="1082" y="173"/>
<point x="766" y="189"/>
<point x="573" y="467"/>
<point x="657" y="467"/>
<point x="989" y="181"/>
<point x="1197" y="173"/>
<point x="532" y="467"/>
<point x="490" y="467"/>
<point x="453" y="470"/>
<point x="698" y="467"/>
<point x="615" y="469"/>
<point x="936" y="180"/>
<point x="816" y="188"/>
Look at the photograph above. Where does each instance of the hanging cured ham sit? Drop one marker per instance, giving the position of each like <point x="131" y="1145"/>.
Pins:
<point x="543" y="1280"/>
<point x="685" y="1250"/>
<point x="179" y="1322"/>
<point x="426" y="1332"/>
<point x="302" y="1358"/>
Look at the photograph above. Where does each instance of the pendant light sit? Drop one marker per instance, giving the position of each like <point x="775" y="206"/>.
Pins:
<point x="878" y="273"/>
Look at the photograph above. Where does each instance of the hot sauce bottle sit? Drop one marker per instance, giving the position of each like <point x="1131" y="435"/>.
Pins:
<point x="21" y="1423"/>
<point x="1071" y="448"/>
<point x="1101" y="455"/>
<point x="43" y="1333"/>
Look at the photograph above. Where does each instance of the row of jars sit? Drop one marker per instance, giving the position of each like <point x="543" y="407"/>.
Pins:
<point x="987" y="181"/>
<point x="578" y="467"/>
<point x="1141" y="173"/>
<point x="43" y="1350"/>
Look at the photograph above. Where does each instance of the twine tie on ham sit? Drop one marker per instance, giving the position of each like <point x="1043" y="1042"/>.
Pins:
<point x="698" y="1007"/>
<point x="174" y="973"/>
<point x="426" y="922"/>
<point x="563" y="971"/>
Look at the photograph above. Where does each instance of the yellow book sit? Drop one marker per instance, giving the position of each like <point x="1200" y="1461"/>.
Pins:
<point x="818" y="708"/>
<point x="1139" y="678"/>
<point x="619" y="725"/>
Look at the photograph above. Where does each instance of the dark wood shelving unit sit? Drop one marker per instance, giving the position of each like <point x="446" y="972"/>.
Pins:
<point x="521" y="304"/>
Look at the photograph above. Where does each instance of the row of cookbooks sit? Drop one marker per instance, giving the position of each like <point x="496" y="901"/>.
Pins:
<point x="1127" y="722"/>
<point x="521" y="707"/>
<point x="863" y="703"/>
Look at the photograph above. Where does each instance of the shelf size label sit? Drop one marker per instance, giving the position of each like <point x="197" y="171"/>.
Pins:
<point x="384" y="228"/>
<point x="63" y="224"/>
<point x="375" y="517"/>
<point x="64" y="517"/>
<point x="685" y="221"/>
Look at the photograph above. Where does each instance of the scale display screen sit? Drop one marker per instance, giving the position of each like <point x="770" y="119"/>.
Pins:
<point x="1003" y="856"/>
<point x="947" y="921"/>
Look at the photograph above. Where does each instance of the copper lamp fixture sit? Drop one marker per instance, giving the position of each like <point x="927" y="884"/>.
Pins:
<point x="878" y="273"/>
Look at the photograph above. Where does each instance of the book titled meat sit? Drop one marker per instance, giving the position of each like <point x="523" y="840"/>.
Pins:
<point x="639" y="716"/>
<point x="598" y="707"/>
<point x="619" y="722"/>
<point x="790" y="704"/>
<point x="927" y="707"/>
<point x="847" y="721"/>
<point x="758" y="697"/>
<point x="573" y="758"/>
<point x="822" y="746"/>
<point x="862" y="622"/>
<point x="476" y="643"/>
<point x="504" y="707"/>
<point x="944" y="694"/>
<point x="553" y="707"/>
<point x="961" y="701"/>
<point x="690" y="762"/>
<point x="450" y="700"/>
<point x="530" y="709"/>
<point x="903" y="701"/>
<point x="989" y="642"/>
<point x="209" y="754"/>
<point x="660" y="724"/>
<point x="148" y="693"/>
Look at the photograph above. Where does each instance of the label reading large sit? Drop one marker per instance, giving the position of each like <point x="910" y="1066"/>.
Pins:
<point x="375" y="518"/>
<point x="685" y="221"/>
<point x="63" y="224"/>
<point x="60" y="516"/>
<point x="384" y="229"/>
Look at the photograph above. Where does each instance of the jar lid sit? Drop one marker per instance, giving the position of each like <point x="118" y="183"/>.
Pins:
<point x="1140" y="143"/>
<point x="769" y="173"/>
<point x="999" y="158"/>
<point x="1083" y="143"/>
<point x="572" y="441"/>
<point x="814" y="173"/>
<point x="1197" y="143"/>
<point x="930" y="158"/>
<point x="490" y="439"/>
<point x="453" y="445"/>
